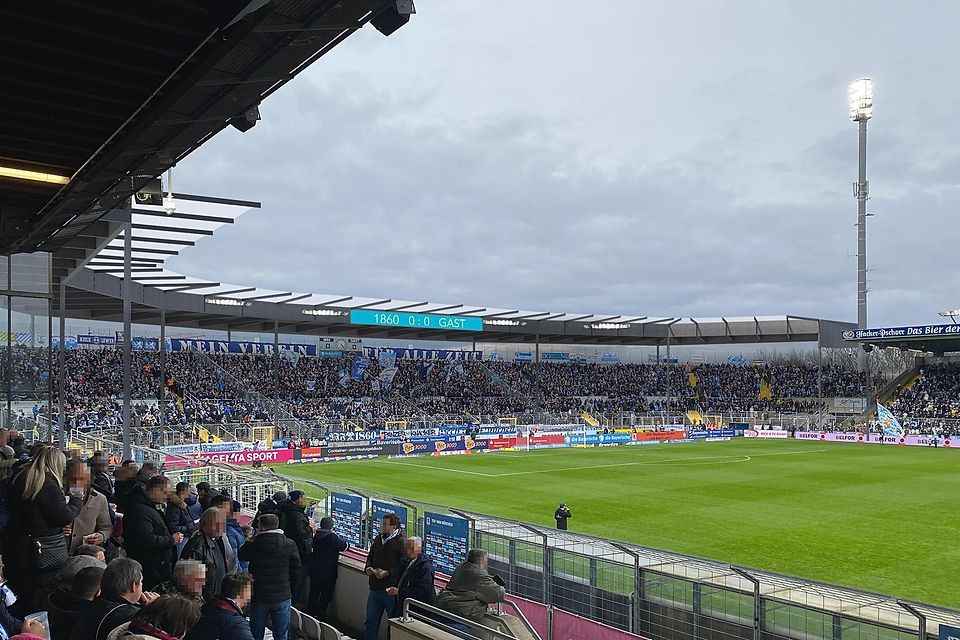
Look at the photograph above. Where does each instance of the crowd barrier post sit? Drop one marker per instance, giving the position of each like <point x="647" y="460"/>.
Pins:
<point x="757" y="602"/>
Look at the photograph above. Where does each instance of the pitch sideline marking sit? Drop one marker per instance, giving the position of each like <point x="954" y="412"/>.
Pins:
<point x="737" y="458"/>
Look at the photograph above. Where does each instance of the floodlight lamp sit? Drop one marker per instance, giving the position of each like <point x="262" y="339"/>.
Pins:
<point x="228" y="302"/>
<point x="608" y="325"/>
<point x="503" y="322"/>
<point x="860" y="94"/>
<point x="950" y="314"/>
<point x="322" y="312"/>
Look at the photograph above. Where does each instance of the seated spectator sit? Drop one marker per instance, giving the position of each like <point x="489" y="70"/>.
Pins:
<point x="121" y="597"/>
<point x="189" y="577"/>
<point x="222" y="618"/>
<point x="67" y="604"/>
<point x="165" y="618"/>
<point x="31" y="630"/>
<point x="471" y="589"/>
<point x="209" y="545"/>
<point x="86" y="555"/>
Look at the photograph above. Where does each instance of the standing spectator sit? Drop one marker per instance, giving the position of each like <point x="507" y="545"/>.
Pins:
<point x="471" y="589"/>
<point x="209" y="546"/>
<point x="121" y="596"/>
<point x="102" y="480"/>
<point x="275" y="567"/>
<point x="324" y="563"/>
<point x="204" y="495"/>
<point x="416" y="576"/>
<point x="7" y="460"/>
<point x="270" y="505"/>
<point x="194" y="508"/>
<point x="92" y="525"/>
<point x="178" y="518"/>
<point x="382" y="565"/>
<point x="222" y="618"/>
<point x="561" y="515"/>
<point x="297" y="527"/>
<point x="40" y="509"/>
<point x="166" y="617"/>
<point x="234" y="532"/>
<point x="146" y="536"/>
<point x="65" y="604"/>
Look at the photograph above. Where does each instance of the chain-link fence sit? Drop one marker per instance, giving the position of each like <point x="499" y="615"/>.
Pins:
<point x="662" y="595"/>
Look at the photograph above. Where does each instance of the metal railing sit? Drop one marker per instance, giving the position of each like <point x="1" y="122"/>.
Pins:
<point x="434" y="617"/>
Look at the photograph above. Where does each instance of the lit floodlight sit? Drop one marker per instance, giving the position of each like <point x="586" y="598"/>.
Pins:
<point x="608" y="325"/>
<point x="950" y="314"/>
<point x="322" y="312"/>
<point x="503" y="323"/>
<point x="861" y="99"/>
<point x="228" y="302"/>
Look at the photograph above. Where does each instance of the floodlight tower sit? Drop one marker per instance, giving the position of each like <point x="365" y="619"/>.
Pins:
<point x="861" y="110"/>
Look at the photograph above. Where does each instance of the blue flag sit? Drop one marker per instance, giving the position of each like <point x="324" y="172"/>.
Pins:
<point x="889" y="424"/>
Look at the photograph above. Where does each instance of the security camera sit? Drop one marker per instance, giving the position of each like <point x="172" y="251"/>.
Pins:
<point x="170" y="205"/>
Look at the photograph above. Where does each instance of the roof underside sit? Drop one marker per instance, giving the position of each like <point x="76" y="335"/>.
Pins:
<point x="112" y="93"/>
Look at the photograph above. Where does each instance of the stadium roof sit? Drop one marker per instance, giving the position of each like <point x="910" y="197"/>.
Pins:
<point x="94" y="291"/>
<point x="102" y="97"/>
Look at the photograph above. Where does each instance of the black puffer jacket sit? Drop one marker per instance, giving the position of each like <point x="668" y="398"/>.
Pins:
<point x="63" y="608"/>
<point x="274" y="565"/>
<point x="148" y="540"/>
<point x="104" y="614"/>
<point x="296" y="526"/>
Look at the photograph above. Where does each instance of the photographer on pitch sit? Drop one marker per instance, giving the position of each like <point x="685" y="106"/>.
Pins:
<point x="561" y="515"/>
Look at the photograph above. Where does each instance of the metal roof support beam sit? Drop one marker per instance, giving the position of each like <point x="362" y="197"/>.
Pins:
<point x="158" y="227"/>
<point x="372" y="304"/>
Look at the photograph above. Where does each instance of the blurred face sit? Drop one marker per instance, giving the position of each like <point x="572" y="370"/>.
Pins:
<point x="244" y="598"/>
<point x="159" y="493"/>
<point x="101" y="557"/>
<point x="411" y="548"/>
<point x="302" y="501"/>
<point x="194" y="581"/>
<point x="387" y="527"/>
<point x="216" y="526"/>
<point x="80" y="476"/>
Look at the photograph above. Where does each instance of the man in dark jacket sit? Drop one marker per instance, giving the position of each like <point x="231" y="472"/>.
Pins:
<point x="296" y="526"/>
<point x="383" y="562"/>
<point x="270" y="505"/>
<point x="471" y="589"/>
<point x="209" y="545"/>
<point x="222" y="618"/>
<point x="324" y="563"/>
<point x="102" y="480"/>
<point x="275" y="566"/>
<point x="416" y="576"/>
<point x="121" y="597"/>
<point x="146" y="536"/>
<point x="65" y="605"/>
<point x="561" y="515"/>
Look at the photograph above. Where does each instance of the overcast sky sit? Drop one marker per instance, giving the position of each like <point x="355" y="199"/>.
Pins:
<point x="617" y="156"/>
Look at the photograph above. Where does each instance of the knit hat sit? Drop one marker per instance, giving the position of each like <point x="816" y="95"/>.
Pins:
<point x="326" y="523"/>
<point x="296" y="495"/>
<point x="280" y="496"/>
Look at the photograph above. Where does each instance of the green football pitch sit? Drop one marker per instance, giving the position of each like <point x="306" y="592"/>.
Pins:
<point x="865" y="516"/>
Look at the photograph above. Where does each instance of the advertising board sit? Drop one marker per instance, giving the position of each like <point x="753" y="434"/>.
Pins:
<point x="766" y="433"/>
<point x="863" y="438"/>
<point x="347" y="513"/>
<point x="379" y="509"/>
<point x="445" y="540"/>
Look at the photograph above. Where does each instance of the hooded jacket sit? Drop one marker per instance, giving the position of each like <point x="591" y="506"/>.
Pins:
<point x="178" y="519"/>
<point x="274" y="565"/>
<point x="104" y="614"/>
<point x="324" y="561"/>
<point x="63" y="609"/>
<point x="296" y="526"/>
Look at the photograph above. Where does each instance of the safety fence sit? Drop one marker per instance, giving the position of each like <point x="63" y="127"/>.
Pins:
<point x="648" y="592"/>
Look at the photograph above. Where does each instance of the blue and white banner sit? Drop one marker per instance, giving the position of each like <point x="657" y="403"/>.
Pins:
<point x="425" y="354"/>
<point x="347" y="513"/>
<point x="233" y="346"/>
<point x="99" y="341"/>
<point x="387" y="358"/>
<point x="523" y="356"/>
<point x="888" y="422"/>
<point x="610" y="357"/>
<point x="555" y="356"/>
<point x="359" y="369"/>
<point x="445" y="540"/>
<point x="145" y="344"/>
<point x="380" y="509"/>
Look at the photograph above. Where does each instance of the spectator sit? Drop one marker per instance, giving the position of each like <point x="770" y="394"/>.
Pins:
<point x="270" y="505"/>
<point x="561" y="515"/>
<point x="275" y="567"/>
<point x="204" y="495"/>
<point x="86" y="555"/>
<point x="235" y="533"/>
<point x="121" y="597"/>
<point x="177" y="513"/>
<point x="194" y="508"/>
<point x="383" y="562"/>
<point x="102" y="480"/>
<point x="92" y="525"/>
<point x="471" y="589"/>
<point x="31" y="630"/>
<point x="324" y="565"/>
<point x="147" y="538"/>
<point x="222" y="618"/>
<point x="164" y="618"/>
<point x="416" y="576"/>
<point x="297" y="527"/>
<point x="67" y="604"/>
<point x="209" y="546"/>
<point x="39" y="511"/>
<point x="189" y="577"/>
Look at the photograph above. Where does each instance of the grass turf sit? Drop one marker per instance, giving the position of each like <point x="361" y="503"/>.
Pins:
<point x="865" y="516"/>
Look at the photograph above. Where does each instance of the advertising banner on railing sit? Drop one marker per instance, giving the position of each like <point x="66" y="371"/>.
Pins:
<point x="711" y="434"/>
<point x="647" y="436"/>
<point x="207" y="447"/>
<point x="873" y="438"/>
<point x="425" y="354"/>
<point x="268" y="456"/>
<point x="544" y="441"/>
<point x="445" y="540"/>
<point x="766" y="433"/>
<point x="379" y="509"/>
<point x="99" y="341"/>
<point x="347" y="513"/>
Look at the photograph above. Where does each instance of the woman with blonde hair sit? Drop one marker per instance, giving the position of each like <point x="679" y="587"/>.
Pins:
<point x="34" y="546"/>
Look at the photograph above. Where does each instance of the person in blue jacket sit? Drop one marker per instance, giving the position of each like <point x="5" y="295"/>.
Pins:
<point x="416" y="576"/>
<point x="324" y="564"/>
<point x="222" y="617"/>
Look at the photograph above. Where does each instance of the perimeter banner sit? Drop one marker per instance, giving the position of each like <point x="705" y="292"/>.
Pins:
<point x="766" y="433"/>
<point x="873" y="438"/>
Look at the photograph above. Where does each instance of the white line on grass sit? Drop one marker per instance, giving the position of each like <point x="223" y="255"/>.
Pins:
<point x="695" y="459"/>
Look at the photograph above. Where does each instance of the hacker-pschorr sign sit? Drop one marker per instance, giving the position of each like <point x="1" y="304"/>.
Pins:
<point x="893" y="333"/>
